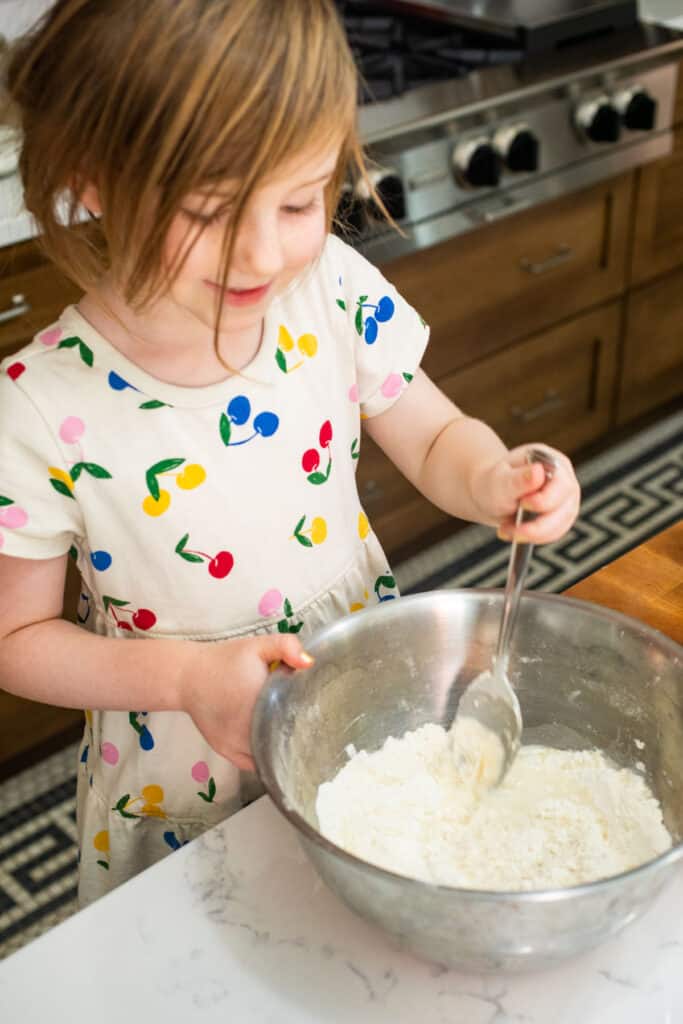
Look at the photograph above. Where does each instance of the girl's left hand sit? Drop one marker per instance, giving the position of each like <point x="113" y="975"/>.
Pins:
<point x="513" y="481"/>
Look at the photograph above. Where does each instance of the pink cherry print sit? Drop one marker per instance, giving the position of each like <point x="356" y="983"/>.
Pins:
<point x="392" y="385"/>
<point x="72" y="429"/>
<point x="110" y="753"/>
<point x="270" y="603"/>
<point x="52" y="336"/>
<point x="353" y="393"/>
<point x="13" y="517"/>
<point x="200" y="771"/>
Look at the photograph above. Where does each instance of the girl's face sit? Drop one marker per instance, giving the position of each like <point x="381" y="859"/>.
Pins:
<point x="283" y="230"/>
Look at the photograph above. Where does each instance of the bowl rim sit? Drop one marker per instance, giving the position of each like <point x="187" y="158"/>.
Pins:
<point x="275" y="792"/>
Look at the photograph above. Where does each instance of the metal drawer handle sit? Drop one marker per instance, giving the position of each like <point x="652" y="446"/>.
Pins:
<point x="564" y="253"/>
<point x="18" y="308"/>
<point x="551" y="401"/>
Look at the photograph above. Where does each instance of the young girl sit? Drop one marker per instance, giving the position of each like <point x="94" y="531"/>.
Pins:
<point x="189" y="432"/>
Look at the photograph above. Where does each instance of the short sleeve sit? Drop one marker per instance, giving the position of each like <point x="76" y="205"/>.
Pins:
<point x="389" y="336"/>
<point x="39" y="516"/>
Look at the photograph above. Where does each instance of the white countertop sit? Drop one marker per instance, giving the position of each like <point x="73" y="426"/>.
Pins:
<point x="237" y="926"/>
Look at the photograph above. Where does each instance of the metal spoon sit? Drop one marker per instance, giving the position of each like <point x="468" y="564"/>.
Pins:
<point x="486" y="732"/>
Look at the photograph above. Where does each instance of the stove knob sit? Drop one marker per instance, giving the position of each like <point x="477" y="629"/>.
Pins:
<point x="518" y="147"/>
<point x="637" y="108"/>
<point x="476" y="163"/>
<point x="599" y="120"/>
<point x="389" y="188"/>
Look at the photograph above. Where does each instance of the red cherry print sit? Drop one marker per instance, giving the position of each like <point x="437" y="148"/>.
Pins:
<point x="125" y="625"/>
<point x="15" y="370"/>
<point x="221" y="565"/>
<point x="144" y="618"/>
<point x="310" y="460"/>
<point x="325" y="434"/>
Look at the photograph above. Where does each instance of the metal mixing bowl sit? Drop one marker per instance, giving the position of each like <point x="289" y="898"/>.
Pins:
<point x="586" y="677"/>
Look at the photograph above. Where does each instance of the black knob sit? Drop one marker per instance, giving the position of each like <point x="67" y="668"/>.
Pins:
<point x="523" y="154"/>
<point x="605" y="125"/>
<point x="389" y="188"/>
<point x="477" y="164"/>
<point x="640" y="114"/>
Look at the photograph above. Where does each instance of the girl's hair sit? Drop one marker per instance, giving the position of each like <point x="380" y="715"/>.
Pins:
<point x="152" y="100"/>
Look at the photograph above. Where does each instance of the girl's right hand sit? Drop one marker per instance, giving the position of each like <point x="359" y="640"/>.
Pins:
<point x="222" y="683"/>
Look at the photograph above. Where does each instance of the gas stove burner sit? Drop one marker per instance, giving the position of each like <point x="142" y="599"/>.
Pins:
<point x="395" y="53"/>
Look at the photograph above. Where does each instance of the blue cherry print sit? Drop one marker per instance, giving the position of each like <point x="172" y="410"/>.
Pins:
<point x="239" y="410"/>
<point x="117" y="383"/>
<point x="101" y="560"/>
<point x="266" y="423"/>
<point x="385" y="309"/>
<point x="382" y="311"/>
<point x="237" y="414"/>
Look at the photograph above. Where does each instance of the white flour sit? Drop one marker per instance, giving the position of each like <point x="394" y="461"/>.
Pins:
<point x="560" y="817"/>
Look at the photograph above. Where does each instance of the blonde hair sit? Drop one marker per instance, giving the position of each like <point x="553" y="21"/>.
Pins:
<point x="152" y="100"/>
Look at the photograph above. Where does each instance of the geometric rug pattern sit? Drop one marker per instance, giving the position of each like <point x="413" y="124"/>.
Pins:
<point x="629" y="493"/>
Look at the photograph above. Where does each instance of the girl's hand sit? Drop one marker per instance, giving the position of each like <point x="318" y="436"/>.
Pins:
<point x="222" y="683"/>
<point x="512" y="481"/>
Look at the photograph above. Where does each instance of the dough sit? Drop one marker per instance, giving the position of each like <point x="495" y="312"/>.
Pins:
<point x="559" y="818"/>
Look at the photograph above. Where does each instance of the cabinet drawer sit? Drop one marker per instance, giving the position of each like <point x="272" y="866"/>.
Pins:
<point x="658" y="237"/>
<point x="556" y="387"/>
<point x="652" y="364"/>
<point x="678" y="109"/>
<point x="483" y="290"/>
<point x="32" y="294"/>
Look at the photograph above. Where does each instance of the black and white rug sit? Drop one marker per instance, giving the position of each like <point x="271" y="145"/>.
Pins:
<point x="629" y="493"/>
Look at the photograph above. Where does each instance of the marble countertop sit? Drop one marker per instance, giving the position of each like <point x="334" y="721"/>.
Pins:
<point x="237" y="926"/>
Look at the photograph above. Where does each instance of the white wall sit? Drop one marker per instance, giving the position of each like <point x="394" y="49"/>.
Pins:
<point x="18" y="15"/>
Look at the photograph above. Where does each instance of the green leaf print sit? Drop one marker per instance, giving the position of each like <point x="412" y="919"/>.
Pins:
<point x="407" y="377"/>
<point x="73" y="553"/>
<point x="69" y="343"/>
<point x="103" y="864"/>
<point x="61" y="488"/>
<point x="226" y="429"/>
<point x="281" y="360"/>
<point x="283" y="626"/>
<point x="89" y="467"/>
<point x="317" y="478"/>
<point x="165" y="466"/>
<point x="299" y="524"/>
<point x="341" y="304"/>
<point x="359" y="316"/>
<point x="120" y="806"/>
<point x="153" y="404"/>
<point x="288" y="607"/>
<point x="108" y="601"/>
<point x="86" y="354"/>
<point x="355" y="449"/>
<point x="180" y="550"/>
<point x="5" y="501"/>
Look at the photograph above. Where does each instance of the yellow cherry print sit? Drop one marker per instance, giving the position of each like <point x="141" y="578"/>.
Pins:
<point x="192" y="476"/>
<point x="358" y="606"/>
<point x="318" y="531"/>
<point x="363" y="525"/>
<point x="285" y="340"/>
<point x="59" y="474"/>
<point x="101" y="841"/>
<point x="156" y="508"/>
<point x="152" y="795"/>
<point x="308" y="345"/>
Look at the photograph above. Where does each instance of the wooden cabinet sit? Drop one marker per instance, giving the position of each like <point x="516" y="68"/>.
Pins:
<point x="555" y="387"/>
<point x="32" y="294"/>
<point x="483" y="290"/>
<point x="658" y="221"/>
<point x="652" y="362"/>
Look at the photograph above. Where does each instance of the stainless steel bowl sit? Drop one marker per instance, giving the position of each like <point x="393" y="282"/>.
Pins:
<point x="586" y="677"/>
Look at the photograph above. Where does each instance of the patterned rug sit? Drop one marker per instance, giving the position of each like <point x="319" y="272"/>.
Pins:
<point x="629" y="493"/>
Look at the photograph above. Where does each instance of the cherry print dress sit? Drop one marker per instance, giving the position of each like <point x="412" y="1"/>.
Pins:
<point x="200" y="513"/>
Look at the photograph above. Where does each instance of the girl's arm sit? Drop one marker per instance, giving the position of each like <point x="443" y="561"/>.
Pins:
<point x="462" y="466"/>
<point x="44" y="658"/>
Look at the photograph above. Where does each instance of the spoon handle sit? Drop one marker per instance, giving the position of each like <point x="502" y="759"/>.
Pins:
<point x="518" y="563"/>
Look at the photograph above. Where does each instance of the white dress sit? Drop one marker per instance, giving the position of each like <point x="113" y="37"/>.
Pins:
<point x="201" y="513"/>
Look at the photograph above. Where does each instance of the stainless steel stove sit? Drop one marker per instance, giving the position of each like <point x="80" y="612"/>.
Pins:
<point x="465" y="125"/>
